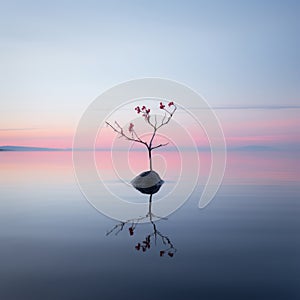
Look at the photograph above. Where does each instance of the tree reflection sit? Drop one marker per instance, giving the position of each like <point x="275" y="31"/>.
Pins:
<point x="154" y="238"/>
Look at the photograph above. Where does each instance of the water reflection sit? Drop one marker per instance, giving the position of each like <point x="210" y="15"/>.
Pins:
<point x="154" y="237"/>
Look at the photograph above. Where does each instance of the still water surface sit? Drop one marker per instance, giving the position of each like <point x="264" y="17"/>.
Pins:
<point x="244" y="245"/>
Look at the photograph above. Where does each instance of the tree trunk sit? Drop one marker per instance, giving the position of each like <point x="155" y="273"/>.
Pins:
<point x="150" y="158"/>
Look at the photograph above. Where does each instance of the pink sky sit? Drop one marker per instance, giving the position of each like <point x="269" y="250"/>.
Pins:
<point x="274" y="127"/>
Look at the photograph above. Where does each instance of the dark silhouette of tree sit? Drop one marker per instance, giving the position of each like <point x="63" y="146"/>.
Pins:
<point x="167" y="247"/>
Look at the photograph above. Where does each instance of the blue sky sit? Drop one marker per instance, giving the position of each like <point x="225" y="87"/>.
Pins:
<point x="57" y="56"/>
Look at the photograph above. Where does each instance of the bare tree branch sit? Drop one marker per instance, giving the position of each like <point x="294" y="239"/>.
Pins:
<point x="160" y="145"/>
<point x="165" y="122"/>
<point x="120" y="131"/>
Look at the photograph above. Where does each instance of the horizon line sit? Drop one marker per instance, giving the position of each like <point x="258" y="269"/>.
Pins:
<point x="253" y="147"/>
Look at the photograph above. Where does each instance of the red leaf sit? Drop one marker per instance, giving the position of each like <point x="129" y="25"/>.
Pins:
<point x="161" y="106"/>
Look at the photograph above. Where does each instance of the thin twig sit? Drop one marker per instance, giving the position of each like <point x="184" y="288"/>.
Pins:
<point x="160" y="145"/>
<point x="121" y="132"/>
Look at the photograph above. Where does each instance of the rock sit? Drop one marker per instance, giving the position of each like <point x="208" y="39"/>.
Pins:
<point x="148" y="182"/>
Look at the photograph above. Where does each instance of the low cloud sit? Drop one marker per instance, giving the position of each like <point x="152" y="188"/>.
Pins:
<point x="18" y="129"/>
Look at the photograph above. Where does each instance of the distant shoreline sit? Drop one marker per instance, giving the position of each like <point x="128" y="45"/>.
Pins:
<point x="250" y="148"/>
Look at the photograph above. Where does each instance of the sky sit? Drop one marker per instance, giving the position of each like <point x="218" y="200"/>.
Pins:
<point x="56" y="57"/>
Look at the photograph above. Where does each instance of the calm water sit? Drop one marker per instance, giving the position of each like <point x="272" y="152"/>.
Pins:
<point x="244" y="245"/>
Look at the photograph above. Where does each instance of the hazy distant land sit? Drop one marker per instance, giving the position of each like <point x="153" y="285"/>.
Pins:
<point x="252" y="148"/>
<point x="24" y="148"/>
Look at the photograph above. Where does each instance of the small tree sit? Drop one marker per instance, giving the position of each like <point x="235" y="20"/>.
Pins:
<point x="132" y="135"/>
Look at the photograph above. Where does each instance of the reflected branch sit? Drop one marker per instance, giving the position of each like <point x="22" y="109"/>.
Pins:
<point x="155" y="235"/>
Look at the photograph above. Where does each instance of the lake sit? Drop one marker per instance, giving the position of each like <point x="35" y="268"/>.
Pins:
<point x="243" y="245"/>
